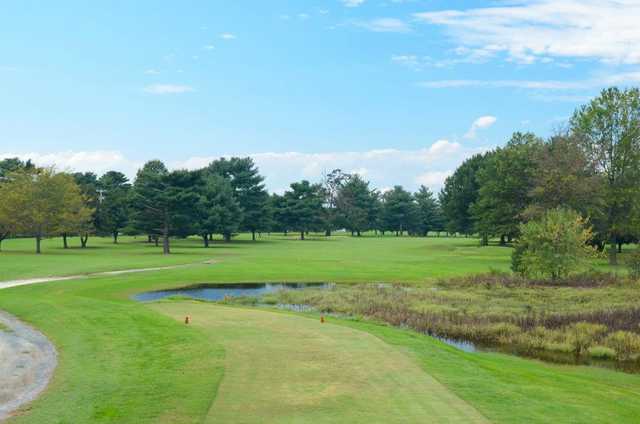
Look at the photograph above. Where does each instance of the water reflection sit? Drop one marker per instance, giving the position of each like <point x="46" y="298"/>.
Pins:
<point x="220" y="291"/>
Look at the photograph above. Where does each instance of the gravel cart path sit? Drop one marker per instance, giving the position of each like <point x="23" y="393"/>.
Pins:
<point x="27" y="361"/>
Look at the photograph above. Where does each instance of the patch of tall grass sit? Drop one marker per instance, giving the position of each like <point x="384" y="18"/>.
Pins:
<point x="585" y="317"/>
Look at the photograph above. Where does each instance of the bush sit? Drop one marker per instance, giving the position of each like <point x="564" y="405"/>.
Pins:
<point x="582" y="335"/>
<point x="554" y="245"/>
<point x="625" y="343"/>
<point x="633" y="263"/>
<point x="602" y="352"/>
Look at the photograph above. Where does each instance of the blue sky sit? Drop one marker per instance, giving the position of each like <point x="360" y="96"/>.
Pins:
<point x="400" y="91"/>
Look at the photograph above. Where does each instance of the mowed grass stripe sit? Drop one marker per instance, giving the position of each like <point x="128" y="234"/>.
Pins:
<point x="281" y="368"/>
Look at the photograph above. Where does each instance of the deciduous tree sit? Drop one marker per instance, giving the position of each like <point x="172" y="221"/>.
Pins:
<point x="608" y="131"/>
<point x="506" y="180"/>
<point x="554" y="245"/>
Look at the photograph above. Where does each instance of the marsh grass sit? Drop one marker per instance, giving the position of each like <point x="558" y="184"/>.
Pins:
<point x="583" y="318"/>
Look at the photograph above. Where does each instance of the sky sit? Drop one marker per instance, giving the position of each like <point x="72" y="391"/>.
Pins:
<point x="399" y="91"/>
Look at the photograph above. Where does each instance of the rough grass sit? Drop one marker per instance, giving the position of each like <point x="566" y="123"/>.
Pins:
<point x="522" y="317"/>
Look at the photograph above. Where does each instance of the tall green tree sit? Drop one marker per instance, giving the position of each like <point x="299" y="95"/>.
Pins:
<point x="356" y="205"/>
<point x="428" y="217"/>
<point x="249" y="190"/>
<point x="218" y="209"/>
<point x="164" y="202"/>
<point x="77" y="214"/>
<point x="506" y="181"/>
<point x="11" y="208"/>
<point x="332" y="184"/>
<point x="398" y="210"/>
<point x="12" y="165"/>
<point x="608" y="131"/>
<point x="566" y="178"/>
<point x="460" y="191"/>
<point x="113" y="204"/>
<point x="303" y="205"/>
<point x="88" y="183"/>
<point x="147" y="218"/>
<point x="281" y="217"/>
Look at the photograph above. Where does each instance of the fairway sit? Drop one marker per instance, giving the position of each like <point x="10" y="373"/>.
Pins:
<point x="281" y="368"/>
<point x="345" y="258"/>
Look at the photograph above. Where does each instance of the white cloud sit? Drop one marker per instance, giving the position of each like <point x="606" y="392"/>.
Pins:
<point x="152" y="72"/>
<point x="443" y="148"/>
<point x="433" y="180"/>
<point x="352" y="3"/>
<point x="168" y="89"/>
<point x="585" y="84"/>
<point x="526" y="84"/>
<point x="384" y="25"/>
<point x="461" y="55"/>
<point x="532" y="30"/>
<point x="228" y="36"/>
<point x="209" y="47"/>
<point x="411" y="61"/>
<point x="99" y="161"/>
<point x="383" y="167"/>
<point x="480" y="123"/>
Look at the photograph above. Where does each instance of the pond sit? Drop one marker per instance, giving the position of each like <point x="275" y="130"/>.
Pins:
<point x="217" y="292"/>
<point x="547" y="356"/>
<point x="220" y="291"/>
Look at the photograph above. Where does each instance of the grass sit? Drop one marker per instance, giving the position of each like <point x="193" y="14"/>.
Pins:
<point x="283" y="368"/>
<point x="17" y="260"/>
<point x="340" y="258"/>
<point x="522" y="317"/>
<point x="125" y="362"/>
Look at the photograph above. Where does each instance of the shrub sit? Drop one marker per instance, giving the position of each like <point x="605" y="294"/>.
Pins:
<point x="582" y="335"/>
<point x="554" y="245"/>
<point x="633" y="263"/>
<point x="625" y="343"/>
<point x="602" y="352"/>
<point x="502" y="333"/>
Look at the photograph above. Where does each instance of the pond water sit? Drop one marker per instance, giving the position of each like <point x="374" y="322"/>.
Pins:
<point x="547" y="356"/>
<point x="220" y="291"/>
<point x="464" y="345"/>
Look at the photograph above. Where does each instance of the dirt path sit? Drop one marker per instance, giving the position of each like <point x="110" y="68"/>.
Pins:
<point x="25" y="282"/>
<point x="27" y="361"/>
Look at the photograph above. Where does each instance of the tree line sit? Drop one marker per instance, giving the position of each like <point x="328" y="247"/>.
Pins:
<point x="226" y="197"/>
<point x="592" y="167"/>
